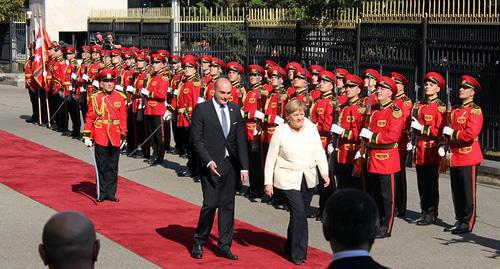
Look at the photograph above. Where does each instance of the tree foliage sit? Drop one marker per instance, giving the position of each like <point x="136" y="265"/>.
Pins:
<point x="10" y="8"/>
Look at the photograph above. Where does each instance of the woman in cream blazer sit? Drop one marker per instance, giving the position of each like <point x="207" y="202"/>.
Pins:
<point x="294" y="157"/>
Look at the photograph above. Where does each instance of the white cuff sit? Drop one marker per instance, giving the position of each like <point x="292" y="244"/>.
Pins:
<point x="85" y="77"/>
<point x="258" y="114"/>
<point x="279" y="120"/>
<point x="95" y="83"/>
<point x="74" y="76"/>
<point x="119" y="88"/>
<point x="130" y="89"/>
<point x="200" y="100"/>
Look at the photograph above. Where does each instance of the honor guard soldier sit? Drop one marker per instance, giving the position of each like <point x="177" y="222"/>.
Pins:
<point x="216" y="67"/>
<point x="189" y="95"/>
<point x="463" y="132"/>
<point x="177" y="76"/>
<point x="234" y="73"/>
<point x="30" y="86"/>
<point x="274" y="107"/>
<point x="155" y="94"/>
<point x="341" y="74"/>
<point x="299" y="89"/>
<point x="348" y="128"/>
<point x="322" y="113"/>
<point x="429" y="125"/>
<point x="386" y="124"/>
<point x="290" y="72"/>
<point x="315" y="92"/>
<point x="106" y="127"/>
<point x="253" y="105"/>
<point x="83" y="79"/>
<point x="405" y="104"/>
<point x="117" y="65"/>
<point x="268" y="64"/>
<point x="95" y="68"/>
<point x="371" y="78"/>
<point x="205" y="68"/>
<point x="73" y="92"/>
<point x="59" y="111"/>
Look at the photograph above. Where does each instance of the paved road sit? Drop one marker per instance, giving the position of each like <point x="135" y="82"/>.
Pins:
<point x="409" y="247"/>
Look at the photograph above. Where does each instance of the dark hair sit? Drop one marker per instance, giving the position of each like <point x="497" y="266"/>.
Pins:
<point x="350" y="218"/>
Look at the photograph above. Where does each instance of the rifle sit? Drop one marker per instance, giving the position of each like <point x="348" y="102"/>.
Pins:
<point x="332" y="157"/>
<point x="410" y="157"/>
<point x="360" y="163"/>
<point x="142" y="106"/>
<point x="443" y="165"/>
<point x="307" y="100"/>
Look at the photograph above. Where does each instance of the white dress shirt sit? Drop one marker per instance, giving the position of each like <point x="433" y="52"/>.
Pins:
<point x="226" y="111"/>
<point x="350" y="253"/>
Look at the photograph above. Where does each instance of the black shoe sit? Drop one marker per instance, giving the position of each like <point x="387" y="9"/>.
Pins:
<point x="184" y="156"/>
<point x="185" y="173"/>
<point x="299" y="262"/>
<point x="422" y="217"/>
<point x="427" y="219"/>
<point x="313" y="215"/>
<point x="113" y="199"/>
<point x="454" y="227"/>
<point x="30" y="120"/>
<point x="227" y="254"/>
<point x="197" y="179"/>
<point x="461" y="229"/>
<point x="197" y="251"/>
<point x="382" y="233"/>
<point x="99" y="200"/>
<point x="66" y="133"/>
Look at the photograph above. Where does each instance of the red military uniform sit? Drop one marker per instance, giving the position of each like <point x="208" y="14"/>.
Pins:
<point x="466" y="121"/>
<point x="351" y="119"/>
<point x="209" y="88"/>
<point x="430" y="115"/>
<point x="189" y="92"/>
<point x="155" y="101"/>
<point x="106" y="118"/>
<point x="322" y="115"/>
<point x="273" y="109"/>
<point x="237" y="92"/>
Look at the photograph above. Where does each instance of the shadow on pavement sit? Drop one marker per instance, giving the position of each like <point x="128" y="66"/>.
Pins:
<point x="471" y="238"/>
<point x="87" y="189"/>
<point x="184" y="236"/>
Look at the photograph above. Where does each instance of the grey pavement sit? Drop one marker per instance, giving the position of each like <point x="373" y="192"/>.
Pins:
<point x="409" y="247"/>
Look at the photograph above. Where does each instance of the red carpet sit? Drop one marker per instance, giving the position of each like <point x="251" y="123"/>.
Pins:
<point x="155" y="225"/>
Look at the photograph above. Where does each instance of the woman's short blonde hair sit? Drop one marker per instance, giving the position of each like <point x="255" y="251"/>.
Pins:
<point x="294" y="105"/>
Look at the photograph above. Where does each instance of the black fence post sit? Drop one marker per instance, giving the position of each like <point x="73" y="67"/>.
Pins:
<point x="113" y="28"/>
<point x="141" y="29"/>
<point x="358" y="48"/>
<point x="423" y="57"/>
<point x="88" y="32"/>
<point x="298" y="41"/>
<point x="247" y="29"/>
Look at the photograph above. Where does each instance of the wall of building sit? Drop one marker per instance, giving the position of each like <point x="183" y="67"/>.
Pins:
<point x="70" y="15"/>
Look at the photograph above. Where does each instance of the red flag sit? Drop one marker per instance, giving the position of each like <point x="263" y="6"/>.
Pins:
<point x="38" y="60"/>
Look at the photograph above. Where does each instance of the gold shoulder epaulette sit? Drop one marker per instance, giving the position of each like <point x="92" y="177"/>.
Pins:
<point x="196" y="82"/>
<point x="362" y="108"/>
<point x="441" y="108"/>
<point x="122" y="94"/>
<point x="476" y="110"/>
<point x="396" y="112"/>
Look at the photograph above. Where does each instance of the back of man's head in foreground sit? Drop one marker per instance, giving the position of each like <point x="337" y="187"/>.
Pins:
<point x="69" y="239"/>
<point x="350" y="220"/>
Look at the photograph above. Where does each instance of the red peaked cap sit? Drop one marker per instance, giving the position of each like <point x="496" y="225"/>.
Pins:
<point x="236" y="67"/>
<point x="316" y="69"/>
<point x="158" y="58"/>
<point x="175" y="59"/>
<point x="291" y="65"/>
<point x="470" y="82"/>
<point x="341" y="72"/>
<point x="218" y="62"/>
<point x="269" y="64"/>
<point x="205" y="58"/>
<point x="400" y="79"/>
<point x="435" y="78"/>
<point x="189" y="60"/>
<point x="70" y="50"/>
<point x="276" y="71"/>
<point x="255" y="68"/>
<point x="372" y="73"/>
<point x="388" y="83"/>
<point x="354" y="80"/>
<point x="107" y="73"/>
<point x="327" y="76"/>
<point x="301" y="73"/>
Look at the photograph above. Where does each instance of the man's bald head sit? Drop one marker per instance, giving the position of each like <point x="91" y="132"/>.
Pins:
<point x="222" y="91"/>
<point x="69" y="238"/>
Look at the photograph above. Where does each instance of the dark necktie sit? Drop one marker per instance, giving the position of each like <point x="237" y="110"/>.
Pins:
<point x="224" y="120"/>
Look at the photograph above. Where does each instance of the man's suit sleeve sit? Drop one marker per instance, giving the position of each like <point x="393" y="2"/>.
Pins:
<point x="242" y="143"/>
<point x="197" y="126"/>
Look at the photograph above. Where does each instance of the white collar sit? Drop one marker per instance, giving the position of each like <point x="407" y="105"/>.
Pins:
<point x="350" y="253"/>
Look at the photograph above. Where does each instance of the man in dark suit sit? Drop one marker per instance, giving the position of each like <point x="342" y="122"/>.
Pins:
<point x="350" y="222"/>
<point x="218" y="138"/>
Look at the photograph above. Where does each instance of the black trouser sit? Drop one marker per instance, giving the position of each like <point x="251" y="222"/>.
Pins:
<point x="53" y="105"/>
<point x="345" y="178"/>
<point x="174" y="131"/>
<point x="43" y="105"/>
<point x="463" y="189"/>
<point x="131" y="130"/>
<point x="297" y="234"/>
<point x="153" y="122"/>
<point x="34" y="104"/>
<point x="218" y="194"/>
<point x="194" y="161"/>
<point x="183" y="137"/>
<point x="141" y="137"/>
<point x="74" y="113"/>
<point x="83" y="105"/>
<point x="107" y="165"/>
<point x="428" y="188"/>
<point x="382" y="187"/>
<point x="256" y="175"/>
<point x="400" y="199"/>
<point x="167" y="133"/>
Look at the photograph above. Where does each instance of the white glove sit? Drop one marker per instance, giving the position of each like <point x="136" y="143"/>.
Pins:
<point x="336" y="129"/>
<point x="95" y="83"/>
<point x="279" y="120"/>
<point x="144" y="92"/>
<point x="415" y="124"/>
<point x="447" y="131"/>
<point x="366" y="133"/>
<point x="70" y="88"/>
<point x="242" y="113"/>
<point x="255" y="132"/>
<point x="169" y="90"/>
<point x="258" y="114"/>
<point x="167" y="116"/>
<point x="330" y="148"/>
<point x="61" y="94"/>
<point x="119" y="88"/>
<point x="88" y="142"/>
<point x="358" y="155"/>
<point x="441" y="151"/>
<point x="74" y="76"/>
<point x="130" y="89"/>
<point x="85" y="77"/>
<point x="200" y="100"/>
<point x="176" y="92"/>
<point x="409" y="146"/>
<point x="141" y="106"/>
<point x="82" y="89"/>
